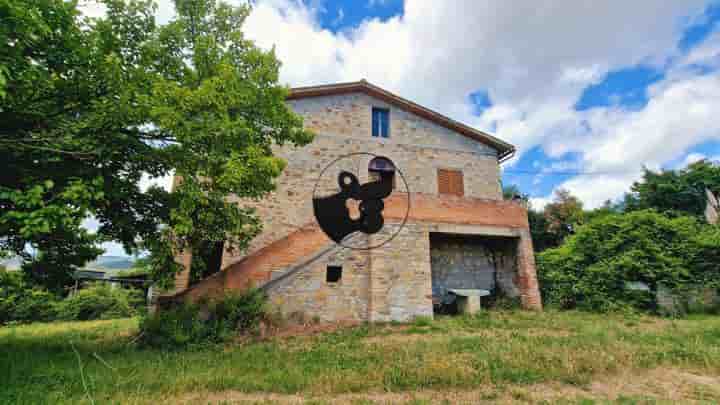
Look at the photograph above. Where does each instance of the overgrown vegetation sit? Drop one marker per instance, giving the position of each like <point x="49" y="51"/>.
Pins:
<point x="207" y="322"/>
<point x="500" y="354"/>
<point x="100" y="301"/>
<point x="22" y="302"/>
<point x="593" y="268"/>
<point x="656" y="237"/>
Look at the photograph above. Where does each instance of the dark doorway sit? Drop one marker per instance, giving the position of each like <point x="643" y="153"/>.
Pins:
<point x="471" y="262"/>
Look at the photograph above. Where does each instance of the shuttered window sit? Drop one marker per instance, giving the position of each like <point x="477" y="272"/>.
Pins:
<point x="450" y="182"/>
<point x="380" y="122"/>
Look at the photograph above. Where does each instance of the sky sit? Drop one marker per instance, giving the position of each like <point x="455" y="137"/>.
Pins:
<point x="589" y="92"/>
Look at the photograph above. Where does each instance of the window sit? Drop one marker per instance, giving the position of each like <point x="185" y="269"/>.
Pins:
<point x="334" y="273"/>
<point x="379" y="166"/>
<point x="450" y="182"/>
<point x="380" y="122"/>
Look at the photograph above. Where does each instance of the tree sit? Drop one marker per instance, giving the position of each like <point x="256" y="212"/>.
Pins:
<point x="564" y="214"/>
<point x="558" y="219"/>
<point x="90" y="105"/>
<point x="541" y="237"/>
<point x="676" y="192"/>
<point x="512" y="191"/>
<point x="607" y="208"/>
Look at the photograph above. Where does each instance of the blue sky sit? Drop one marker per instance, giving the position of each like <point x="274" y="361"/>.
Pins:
<point x="622" y="88"/>
<point x="344" y="14"/>
<point x="589" y="92"/>
<point x="626" y="89"/>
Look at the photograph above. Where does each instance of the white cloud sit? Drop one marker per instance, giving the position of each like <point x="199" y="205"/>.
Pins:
<point x="533" y="58"/>
<point x="691" y="158"/>
<point x="539" y="203"/>
<point x="681" y="113"/>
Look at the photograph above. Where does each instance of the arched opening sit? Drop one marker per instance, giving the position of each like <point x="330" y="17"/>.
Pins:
<point x="379" y="167"/>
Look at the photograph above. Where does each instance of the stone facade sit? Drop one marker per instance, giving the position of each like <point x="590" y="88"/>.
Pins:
<point x="393" y="282"/>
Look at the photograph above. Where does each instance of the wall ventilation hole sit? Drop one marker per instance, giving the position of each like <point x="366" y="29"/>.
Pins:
<point x="334" y="273"/>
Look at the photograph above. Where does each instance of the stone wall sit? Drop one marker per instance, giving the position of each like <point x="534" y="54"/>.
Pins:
<point x="400" y="287"/>
<point x="472" y="262"/>
<point x="388" y="283"/>
<point x="392" y="282"/>
<point x="417" y="147"/>
<point x="307" y="292"/>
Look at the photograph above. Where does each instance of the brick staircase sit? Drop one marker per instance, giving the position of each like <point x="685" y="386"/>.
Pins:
<point x="262" y="266"/>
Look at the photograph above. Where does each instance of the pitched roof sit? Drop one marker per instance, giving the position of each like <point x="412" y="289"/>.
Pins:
<point x="504" y="149"/>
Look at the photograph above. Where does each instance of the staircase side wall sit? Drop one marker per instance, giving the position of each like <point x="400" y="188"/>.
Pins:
<point x="308" y="295"/>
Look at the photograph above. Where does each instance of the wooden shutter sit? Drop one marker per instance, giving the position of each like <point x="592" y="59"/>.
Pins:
<point x="450" y="182"/>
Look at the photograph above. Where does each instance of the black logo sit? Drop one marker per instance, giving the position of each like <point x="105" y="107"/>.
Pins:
<point x="332" y="212"/>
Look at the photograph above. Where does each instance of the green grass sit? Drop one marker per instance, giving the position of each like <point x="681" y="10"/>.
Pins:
<point x="47" y="363"/>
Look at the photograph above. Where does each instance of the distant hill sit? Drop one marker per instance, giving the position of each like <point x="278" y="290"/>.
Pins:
<point x="111" y="263"/>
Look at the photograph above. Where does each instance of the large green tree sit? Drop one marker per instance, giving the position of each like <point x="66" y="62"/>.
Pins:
<point x="90" y="105"/>
<point x="676" y="192"/>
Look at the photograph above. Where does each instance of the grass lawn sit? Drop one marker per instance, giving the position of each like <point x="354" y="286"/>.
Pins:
<point x="499" y="356"/>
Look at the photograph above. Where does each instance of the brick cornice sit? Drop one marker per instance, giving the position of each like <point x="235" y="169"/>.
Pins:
<point x="456" y="210"/>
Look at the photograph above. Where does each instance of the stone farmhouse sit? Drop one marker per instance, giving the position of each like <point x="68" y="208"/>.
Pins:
<point x="458" y="233"/>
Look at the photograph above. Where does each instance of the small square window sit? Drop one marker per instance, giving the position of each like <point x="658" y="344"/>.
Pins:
<point x="380" y="122"/>
<point x="334" y="273"/>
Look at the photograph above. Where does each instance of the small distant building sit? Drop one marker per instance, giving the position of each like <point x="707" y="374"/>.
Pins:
<point x="117" y="278"/>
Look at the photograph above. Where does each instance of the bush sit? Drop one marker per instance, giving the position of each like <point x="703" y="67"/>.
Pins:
<point x="20" y="302"/>
<point x="591" y="270"/>
<point x="212" y="322"/>
<point x="97" y="301"/>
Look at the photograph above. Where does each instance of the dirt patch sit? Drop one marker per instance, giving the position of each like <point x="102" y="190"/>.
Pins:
<point x="292" y="330"/>
<point x="405" y="338"/>
<point x="659" y="384"/>
<point x="304" y="329"/>
<point x="662" y="383"/>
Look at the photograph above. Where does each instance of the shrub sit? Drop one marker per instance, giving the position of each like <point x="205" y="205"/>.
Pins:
<point x="97" y="301"/>
<point x="592" y="268"/>
<point x="20" y="302"/>
<point x="212" y="322"/>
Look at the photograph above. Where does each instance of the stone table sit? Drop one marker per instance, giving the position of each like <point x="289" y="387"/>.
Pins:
<point x="469" y="300"/>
